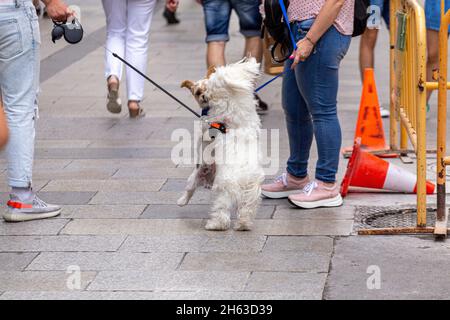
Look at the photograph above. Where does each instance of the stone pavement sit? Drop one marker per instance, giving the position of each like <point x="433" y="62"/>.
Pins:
<point x="121" y="229"/>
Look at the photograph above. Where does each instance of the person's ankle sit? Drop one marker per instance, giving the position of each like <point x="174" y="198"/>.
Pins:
<point x="113" y="83"/>
<point x="133" y="104"/>
<point x="327" y="184"/>
<point x="22" y="193"/>
<point x="297" y="179"/>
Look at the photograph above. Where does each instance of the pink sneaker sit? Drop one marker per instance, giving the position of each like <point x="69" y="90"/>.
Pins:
<point x="317" y="194"/>
<point x="284" y="186"/>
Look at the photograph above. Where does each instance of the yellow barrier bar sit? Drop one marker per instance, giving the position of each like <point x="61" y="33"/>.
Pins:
<point x="394" y="119"/>
<point x="435" y="86"/>
<point x="441" y="219"/>
<point x="421" y="110"/>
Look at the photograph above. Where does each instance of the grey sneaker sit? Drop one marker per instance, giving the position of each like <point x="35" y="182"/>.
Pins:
<point x="32" y="209"/>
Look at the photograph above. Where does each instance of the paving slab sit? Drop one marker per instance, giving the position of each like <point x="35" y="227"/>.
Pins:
<point x="195" y="226"/>
<point x="316" y="244"/>
<point x="40" y="227"/>
<point x="74" y="173"/>
<point x="164" y="243"/>
<point x="116" y="164"/>
<point x="103" y="153"/>
<point x="194" y="212"/>
<point x="109" y="261"/>
<point x="155" y="295"/>
<point x="257" y="261"/>
<point x="161" y="197"/>
<point x="144" y="173"/>
<point x="60" y="243"/>
<point x="169" y="281"/>
<point x="309" y="285"/>
<point x="238" y="243"/>
<point x="41" y="280"/>
<point x="291" y="213"/>
<point x="110" y="185"/>
<point x="15" y="261"/>
<point x="102" y="211"/>
<point x="408" y="268"/>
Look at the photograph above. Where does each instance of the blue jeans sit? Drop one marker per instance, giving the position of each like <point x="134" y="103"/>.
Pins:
<point x="218" y="13"/>
<point x="19" y="81"/>
<point x="309" y="98"/>
<point x="433" y="13"/>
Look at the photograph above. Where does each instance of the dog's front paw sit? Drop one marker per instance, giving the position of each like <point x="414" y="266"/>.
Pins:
<point x="243" y="226"/>
<point x="217" y="225"/>
<point x="184" y="200"/>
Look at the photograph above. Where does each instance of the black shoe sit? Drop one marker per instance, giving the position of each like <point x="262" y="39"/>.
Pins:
<point x="170" y="17"/>
<point x="261" y="107"/>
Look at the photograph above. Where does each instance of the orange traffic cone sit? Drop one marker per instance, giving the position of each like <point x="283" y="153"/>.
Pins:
<point x="369" y="126"/>
<point x="368" y="171"/>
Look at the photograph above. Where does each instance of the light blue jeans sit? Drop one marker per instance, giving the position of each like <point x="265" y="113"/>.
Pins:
<point x="309" y="95"/>
<point x="19" y="82"/>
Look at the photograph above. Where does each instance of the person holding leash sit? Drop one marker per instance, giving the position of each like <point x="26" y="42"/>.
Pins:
<point x="323" y="31"/>
<point x="19" y="82"/>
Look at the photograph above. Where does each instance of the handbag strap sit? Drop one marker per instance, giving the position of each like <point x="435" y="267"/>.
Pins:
<point x="286" y="19"/>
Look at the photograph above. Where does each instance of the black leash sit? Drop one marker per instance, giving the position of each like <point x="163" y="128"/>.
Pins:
<point x="115" y="55"/>
<point x="214" y="126"/>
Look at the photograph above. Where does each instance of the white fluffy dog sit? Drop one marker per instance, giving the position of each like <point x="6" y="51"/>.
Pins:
<point x="236" y="173"/>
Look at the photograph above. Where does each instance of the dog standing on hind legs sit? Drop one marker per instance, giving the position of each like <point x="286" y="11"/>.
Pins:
<point x="235" y="175"/>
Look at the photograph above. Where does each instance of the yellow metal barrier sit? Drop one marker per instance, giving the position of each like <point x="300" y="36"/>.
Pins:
<point x="442" y="160"/>
<point x="409" y="86"/>
<point x="408" y="56"/>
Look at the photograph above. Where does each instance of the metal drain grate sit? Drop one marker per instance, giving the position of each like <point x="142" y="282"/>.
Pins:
<point x="389" y="217"/>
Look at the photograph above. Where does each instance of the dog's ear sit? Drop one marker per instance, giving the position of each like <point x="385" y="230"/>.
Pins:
<point x="187" y="84"/>
<point x="211" y="70"/>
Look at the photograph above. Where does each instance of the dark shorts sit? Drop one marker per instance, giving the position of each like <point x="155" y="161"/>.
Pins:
<point x="384" y="10"/>
<point x="218" y="13"/>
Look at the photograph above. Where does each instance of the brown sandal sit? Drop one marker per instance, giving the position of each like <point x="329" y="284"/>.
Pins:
<point x="136" y="113"/>
<point x="113" y="104"/>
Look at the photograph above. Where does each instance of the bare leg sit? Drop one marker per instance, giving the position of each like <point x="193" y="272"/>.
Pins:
<point x="366" y="50"/>
<point x="215" y="55"/>
<point x="433" y="56"/>
<point x="254" y="48"/>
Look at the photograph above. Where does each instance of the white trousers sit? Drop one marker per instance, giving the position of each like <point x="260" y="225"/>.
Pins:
<point x="128" y="28"/>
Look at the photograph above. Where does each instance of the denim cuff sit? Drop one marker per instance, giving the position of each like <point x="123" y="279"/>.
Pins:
<point x="251" y="33"/>
<point x="15" y="183"/>
<point x="217" y="38"/>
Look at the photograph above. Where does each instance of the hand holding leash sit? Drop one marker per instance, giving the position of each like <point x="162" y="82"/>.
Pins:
<point x="58" y="10"/>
